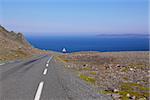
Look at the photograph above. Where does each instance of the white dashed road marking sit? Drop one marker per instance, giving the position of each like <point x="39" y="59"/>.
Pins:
<point x="41" y="84"/>
<point x="49" y="59"/>
<point x="46" y="65"/>
<point x="45" y="71"/>
<point x="39" y="91"/>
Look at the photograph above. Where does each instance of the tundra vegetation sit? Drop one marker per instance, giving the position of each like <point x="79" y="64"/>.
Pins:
<point x="122" y="75"/>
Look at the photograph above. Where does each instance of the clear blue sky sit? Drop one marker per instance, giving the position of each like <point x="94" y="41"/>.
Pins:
<point x="75" y="16"/>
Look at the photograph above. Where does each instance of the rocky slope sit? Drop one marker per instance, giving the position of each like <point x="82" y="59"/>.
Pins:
<point x="14" y="46"/>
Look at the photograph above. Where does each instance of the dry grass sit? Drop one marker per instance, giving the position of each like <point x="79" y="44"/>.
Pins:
<point x="87" y="79"/>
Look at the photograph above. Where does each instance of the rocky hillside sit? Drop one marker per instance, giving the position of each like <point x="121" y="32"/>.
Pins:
<point x="14" y="45"/>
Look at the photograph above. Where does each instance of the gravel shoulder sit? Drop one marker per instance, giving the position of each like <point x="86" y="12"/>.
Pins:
<point x="76" y="89"/>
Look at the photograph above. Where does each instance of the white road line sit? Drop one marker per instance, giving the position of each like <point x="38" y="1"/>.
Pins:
<point x="45" y="71"/>
<point x="46" y="65"/>
<point x="49" y="59"/>
<point x="39" y="91"/>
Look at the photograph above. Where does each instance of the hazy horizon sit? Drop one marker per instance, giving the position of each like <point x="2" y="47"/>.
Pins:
<point x="66" y="17"/>
<point x="36" y="34"/>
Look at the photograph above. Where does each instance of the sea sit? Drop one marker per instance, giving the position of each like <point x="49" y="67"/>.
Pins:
<point x="90" y="43"/>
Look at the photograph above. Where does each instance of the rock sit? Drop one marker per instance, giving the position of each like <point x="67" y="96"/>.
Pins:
<point x="118" y="65"/>
<point x="133" y="98"/>
<point x="106" y="66"/>
<point x="128" y="95"/>
<point x="138" y="82"/>
<point x="93" y="67"/>
<point x="116" y="96"/>
<point x="85" y="65"/>
<point x="131" y="69"/>
<point x="110" y="66"/>
<point x="110" y="89"/>
<point x="96" y="69"/>
<point x="116" y="90"/>
<point x="142" y="99"/>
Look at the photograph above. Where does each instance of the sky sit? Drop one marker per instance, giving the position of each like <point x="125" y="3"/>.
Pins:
<point x="69" y="17"/>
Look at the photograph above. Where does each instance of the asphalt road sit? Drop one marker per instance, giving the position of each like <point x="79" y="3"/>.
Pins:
<point x="43" y="78"/>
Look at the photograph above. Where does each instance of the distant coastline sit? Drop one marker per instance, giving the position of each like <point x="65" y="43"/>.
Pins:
<point x="125" y="35"/>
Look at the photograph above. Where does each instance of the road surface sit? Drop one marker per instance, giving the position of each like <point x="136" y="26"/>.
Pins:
<point x="42" y="78"/>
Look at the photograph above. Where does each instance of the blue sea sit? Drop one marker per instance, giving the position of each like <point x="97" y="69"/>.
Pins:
<point x="89" y="43"/>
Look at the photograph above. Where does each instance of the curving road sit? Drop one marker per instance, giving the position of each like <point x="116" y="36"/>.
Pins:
<point x="42" y="78"/>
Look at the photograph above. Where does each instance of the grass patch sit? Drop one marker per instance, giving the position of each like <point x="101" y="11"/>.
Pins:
<point x="93" y="73"/>
<point x="125" y="78"/>
<point x="106" y="92"/>
<point x="87" y="78"/>
<point x="125" y="69"/>
<point x="86" y="68"/>
<point x="138" y="66"/>
<point x="61" y="60"/>
<point x="133" y="85"/>
<point x="133" y="89"/>
<point x="66" y="60"/>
